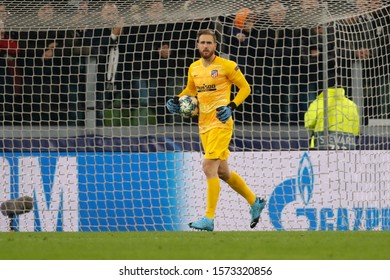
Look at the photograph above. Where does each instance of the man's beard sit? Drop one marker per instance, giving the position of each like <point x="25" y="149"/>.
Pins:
<point x="208" y="55"/>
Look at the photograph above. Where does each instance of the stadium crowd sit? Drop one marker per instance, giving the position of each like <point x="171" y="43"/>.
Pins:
<point x="43" y="73"/>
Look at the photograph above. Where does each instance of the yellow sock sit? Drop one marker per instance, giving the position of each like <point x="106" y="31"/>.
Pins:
<point x="213" y="189"/>
<point x="238" y="184"/>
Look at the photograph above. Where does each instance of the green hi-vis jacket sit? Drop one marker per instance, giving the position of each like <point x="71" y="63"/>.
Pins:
<point x="343" y="120"/>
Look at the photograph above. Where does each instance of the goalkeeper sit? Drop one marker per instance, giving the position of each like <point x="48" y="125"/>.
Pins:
<point x="210" y="79"/>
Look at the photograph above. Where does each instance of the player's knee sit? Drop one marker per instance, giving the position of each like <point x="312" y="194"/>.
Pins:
<point x="210" y="168"/>
<point x="224" y="174"/>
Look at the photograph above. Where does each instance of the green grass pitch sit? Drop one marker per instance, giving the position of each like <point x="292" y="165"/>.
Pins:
<point x="195" y="246"/>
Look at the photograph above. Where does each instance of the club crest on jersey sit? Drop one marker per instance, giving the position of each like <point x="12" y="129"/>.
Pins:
<point x="214" y="74"/>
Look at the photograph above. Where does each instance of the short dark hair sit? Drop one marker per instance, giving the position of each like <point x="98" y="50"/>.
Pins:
<point x="207" y="32"/>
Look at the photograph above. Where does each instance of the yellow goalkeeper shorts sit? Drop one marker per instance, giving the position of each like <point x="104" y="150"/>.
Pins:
<point x="215" y="143"/>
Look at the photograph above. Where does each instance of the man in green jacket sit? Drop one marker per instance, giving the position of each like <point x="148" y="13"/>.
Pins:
<point x="343" y="121"/>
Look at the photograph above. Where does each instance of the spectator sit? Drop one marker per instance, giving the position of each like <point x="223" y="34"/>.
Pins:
<point x="77" y="48"/>
<point x="4" y="16"/>
<point x="312" y="66"/>
<point x="105" y="47"/>
<point x="343" y="121"/>
<point x="155" y="11"/>
<point x="381" y="63"/>
<point x="240" y="32"/>
<point x="146" y="78"/>
<point x="148" y="58"/>
<point x="10" y="76"/>
<point x="3" y="13"/>
<point x="307" y="13"/>
<point x="54" y="66"/>
<point x="42" y="69"/>
<point x="169" y="70"/>
<point x="186" y="32"/>
<point x="358" y="40"/>
<point x="308" y="7"/>
<point x="140" y="51"/>
<point x="376" y="86"/>
<point x="241" y="44"/>
<point x="276" y="60"/>
<point x="135" y="14"/>
<point x="82" y="33"/>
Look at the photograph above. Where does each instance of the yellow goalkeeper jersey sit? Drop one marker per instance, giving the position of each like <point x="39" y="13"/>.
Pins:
<point x="212" y="86"/>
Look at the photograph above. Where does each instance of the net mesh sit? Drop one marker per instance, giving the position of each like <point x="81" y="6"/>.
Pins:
<point x="74" y="14"/>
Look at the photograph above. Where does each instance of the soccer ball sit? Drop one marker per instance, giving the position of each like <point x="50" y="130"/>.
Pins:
<point x="188" y="106"/>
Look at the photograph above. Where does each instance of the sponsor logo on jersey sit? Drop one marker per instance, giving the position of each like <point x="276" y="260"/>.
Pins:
<point x="204" y="88"/>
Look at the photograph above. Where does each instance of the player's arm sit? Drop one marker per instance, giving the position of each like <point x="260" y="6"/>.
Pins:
<point x="244" y="89"/>
<point x="190" y="89"/>
<point x="237" y="78"/>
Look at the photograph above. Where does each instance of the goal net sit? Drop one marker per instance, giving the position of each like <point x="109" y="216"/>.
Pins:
<point x="86" y="134"/>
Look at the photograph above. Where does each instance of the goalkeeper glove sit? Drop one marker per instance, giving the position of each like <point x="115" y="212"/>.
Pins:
<point x="173" y="105"/>
<point x="225" y="112"/>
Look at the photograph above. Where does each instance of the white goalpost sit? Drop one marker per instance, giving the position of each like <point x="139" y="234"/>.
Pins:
<point x="85" y="133"/>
